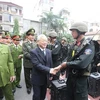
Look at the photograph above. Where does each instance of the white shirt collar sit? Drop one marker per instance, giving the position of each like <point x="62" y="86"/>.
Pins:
<point x="42" y="49"/>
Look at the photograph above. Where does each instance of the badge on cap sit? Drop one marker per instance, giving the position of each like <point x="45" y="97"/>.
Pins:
<point x="88" y="51"/>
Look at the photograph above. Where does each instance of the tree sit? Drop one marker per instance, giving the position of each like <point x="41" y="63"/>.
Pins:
<point x="47" y="19"/>
<point x="16" y="27"/>
<point x="54" y="22"/>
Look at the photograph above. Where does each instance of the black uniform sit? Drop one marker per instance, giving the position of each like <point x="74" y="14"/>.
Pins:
<point x="78" y="71"/>
<point x="1" y="94"/>
<point x="56" y="55"/>
<point x="96" y="58"/>
<point x="65" y="50"/>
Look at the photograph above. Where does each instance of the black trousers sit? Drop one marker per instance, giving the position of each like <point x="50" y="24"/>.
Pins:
<point x="27" y="74"/>
<point x="77" y="88"/>
<point x="39" y="92"/>
<point x="1" y="93"/>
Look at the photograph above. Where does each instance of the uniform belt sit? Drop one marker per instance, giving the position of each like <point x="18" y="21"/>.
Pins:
<point x="78" y="72"/>
<point x="74" y="71"/>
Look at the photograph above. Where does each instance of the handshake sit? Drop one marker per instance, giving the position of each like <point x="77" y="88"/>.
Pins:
<point x="56" y="69"/>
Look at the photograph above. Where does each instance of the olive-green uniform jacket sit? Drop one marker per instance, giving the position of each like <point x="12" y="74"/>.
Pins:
<point x="27" y="46"/>
<point x="16" y="51"/>
<point x="6" y="65"/>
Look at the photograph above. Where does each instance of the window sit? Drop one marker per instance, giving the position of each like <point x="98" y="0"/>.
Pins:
<point x="16" y="10"/>
<point x="7" y="8"/>
<point x="0" y="8"/>
<point x="20" y="12"/>
<point x="7" y="18"/>
<point x="0" y="17"/>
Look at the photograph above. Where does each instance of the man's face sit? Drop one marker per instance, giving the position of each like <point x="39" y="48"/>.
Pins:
<point x="63" y="41"/>
<point x="42" y="43"/>
<point x="8" y="40"/>
<point x="52" y="39"/>
<point x="74" y="34"/>
<point x="30" y="37"/>
<point x="16" y="42"/>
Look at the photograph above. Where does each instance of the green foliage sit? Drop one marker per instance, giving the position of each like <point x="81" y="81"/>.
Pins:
<point x="69" y="37"/>
<point x="16" y="27"/>
<point x="54" y="22"/>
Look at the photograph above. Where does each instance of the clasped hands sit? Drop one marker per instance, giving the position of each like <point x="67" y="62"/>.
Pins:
<point x="56" y="69"/>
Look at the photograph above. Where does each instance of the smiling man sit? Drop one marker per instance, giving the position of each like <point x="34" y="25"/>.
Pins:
<point x="42" y="66"/>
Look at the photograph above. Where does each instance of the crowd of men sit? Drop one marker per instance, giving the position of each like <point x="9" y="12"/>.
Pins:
<point x="46" y="59"/>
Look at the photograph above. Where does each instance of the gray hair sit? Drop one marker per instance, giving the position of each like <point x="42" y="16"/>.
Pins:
<point x="41" y="36"/>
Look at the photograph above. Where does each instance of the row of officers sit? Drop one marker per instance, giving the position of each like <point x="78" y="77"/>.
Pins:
<point x="47" y="59"/>
<point x="12" y="53"/>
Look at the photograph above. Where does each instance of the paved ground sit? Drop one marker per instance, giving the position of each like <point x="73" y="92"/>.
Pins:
<point x="21" y="94"/>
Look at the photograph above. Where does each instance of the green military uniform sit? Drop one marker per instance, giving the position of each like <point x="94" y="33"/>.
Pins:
<point x="27" y="46"/>
<point x="16" y="51"/>
<point x="6" y="71"/>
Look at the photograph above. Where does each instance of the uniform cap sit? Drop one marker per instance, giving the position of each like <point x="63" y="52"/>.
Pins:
<point x="80" y="26"/>
<point x="6" y="35"/>
<point x="64" y="39"/>
<point x="16" y="37"/>
<point x="30" y="32"/>
<point x="52" y="34"/>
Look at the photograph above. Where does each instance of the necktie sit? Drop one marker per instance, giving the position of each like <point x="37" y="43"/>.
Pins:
<point x="44" y="52"/>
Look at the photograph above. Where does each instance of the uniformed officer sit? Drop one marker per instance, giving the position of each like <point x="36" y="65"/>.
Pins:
<point x="6" y="38"/>
<point x="1" y="92"/>
<point x="28" y="45"/>
<point x="16" y="51"/>
<point x="6" y="70"/>
<point x="78" y="68"/>
<point x="96" y="60"/>
<point x="55" y="46"/>
<point x="65" y="48"/>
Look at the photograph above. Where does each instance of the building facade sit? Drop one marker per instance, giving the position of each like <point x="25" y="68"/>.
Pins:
<point x="27" y="24"/>
<point x="8" y="13"/>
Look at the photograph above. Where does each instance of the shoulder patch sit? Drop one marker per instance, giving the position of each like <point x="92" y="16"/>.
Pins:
<point x="88" y="51"/>
<point x="56" y="46"/>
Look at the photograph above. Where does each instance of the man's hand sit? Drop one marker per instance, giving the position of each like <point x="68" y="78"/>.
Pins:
<point x="98" y="64"/>
<point x="20" y="56"/>
<point x="53" y="71"/>
<point x="12" y="78"/>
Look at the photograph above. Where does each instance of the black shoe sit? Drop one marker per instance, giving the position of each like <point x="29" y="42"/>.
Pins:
<point x="1" y="98"/>
<point x="18" y="86"/>
<point x="28" y="90"/>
